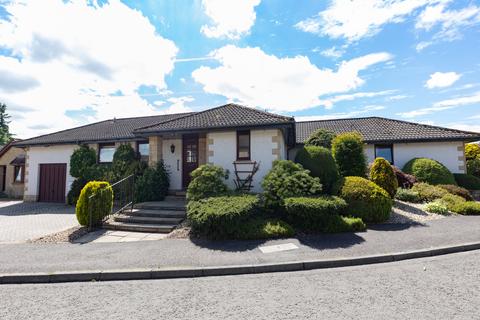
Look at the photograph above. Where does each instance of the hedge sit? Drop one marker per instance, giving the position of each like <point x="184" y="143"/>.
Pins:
<point x="366" y="200"/>
<point x="338" y="224"/>
<point x="456" y="190"/>
<point x="347" y="149"/>
<point x="429" y="171"/>
<point x="262" y="228"/>
<point x="467" y="181"/>
<point x="428" y="192"/>
<point x="100" y="206"/>
<point x="221" y="217"/>
<point x="207" y="181"/>
<point x="383" y="175"/>
<point x="313" y="214"/>
<point x="287" y="179"/>
<point x="320" y="162"/>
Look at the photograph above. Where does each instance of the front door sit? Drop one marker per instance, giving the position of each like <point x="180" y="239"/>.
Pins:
<point x="189" y="158"/>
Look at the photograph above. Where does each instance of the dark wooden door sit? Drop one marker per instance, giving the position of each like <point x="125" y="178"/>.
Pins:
<point x="3" y="177"/>
<point x="52" y="182"/>
<point x="189" y="158"/>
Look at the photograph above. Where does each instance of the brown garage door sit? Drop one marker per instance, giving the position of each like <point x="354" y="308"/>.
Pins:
<point x="52" y="182"/>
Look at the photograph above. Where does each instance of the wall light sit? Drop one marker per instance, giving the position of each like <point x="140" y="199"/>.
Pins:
<point x="172" y="148"/>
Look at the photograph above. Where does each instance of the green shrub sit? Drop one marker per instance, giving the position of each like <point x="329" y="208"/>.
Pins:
<point x="313" y="214"/>
<point x="429" y="171"/>
<point x="472" y="151"/>
<point x="338" y="224"/>
<point x="467" y="181"/>
<point x="125" y="162"/>
<point x="261" y="228"/>
<point x="428" y="192"/>
<point x="451" y="201"/>
<point x="473" y="167"/>
<point x="320" y="162"/>
<point x="458" y="191"/>
<point x="347" y="149"/>
<point x="75" y="189"/>
<point x="221" y="217"/>
<point x="467" y="208"/>
<point x="153" y="184"/>
<point x="81" y="160"/>
<point x="287" y="179"/>
<point x="207" y="181"/>
<point x="408" y="195"/>
<point x="321" y="138"/>
<point x="383" y="175"/>
<point x="436" y="207"/>
<point x="366" y="200"/>
<point x="100" y="206"/>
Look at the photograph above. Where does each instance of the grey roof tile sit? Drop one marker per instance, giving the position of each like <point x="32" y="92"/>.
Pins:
<point x="377" y="129"/>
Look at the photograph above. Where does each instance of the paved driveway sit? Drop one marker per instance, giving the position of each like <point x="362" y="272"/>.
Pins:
<point x="21" y="221"/>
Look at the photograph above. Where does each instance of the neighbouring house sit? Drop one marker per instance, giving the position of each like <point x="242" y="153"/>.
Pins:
<point x="12" y="171"/>
<point x="238" y="138"/>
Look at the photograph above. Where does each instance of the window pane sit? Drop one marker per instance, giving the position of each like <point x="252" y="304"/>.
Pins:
<point x="243" y="145"/>
<point x="18" y="174"/>
<point x="384" y="152"/>
<point x="144" y="149"/>
<point x="106" y="153"/>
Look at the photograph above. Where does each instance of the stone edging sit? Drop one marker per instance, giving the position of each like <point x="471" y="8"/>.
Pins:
<point x="144" y="274"/>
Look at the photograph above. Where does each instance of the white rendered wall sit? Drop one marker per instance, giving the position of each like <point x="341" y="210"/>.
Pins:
<point x="265" y="147"/>
<point x="44" y="155"/>
<point x="173" y="162"/>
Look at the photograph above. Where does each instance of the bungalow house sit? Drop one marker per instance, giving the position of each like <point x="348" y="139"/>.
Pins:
<point x="238" y="138"/>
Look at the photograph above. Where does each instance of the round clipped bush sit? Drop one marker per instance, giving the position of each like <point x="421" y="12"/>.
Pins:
<point x="98" y="206"/>
<point x="313" y="214"/>
<point x="153" y="184"/>
<point x="383" y="175"/>
<point x="320" y="162"/>
<point x="347" y="150"/>
<point x="81" y="160"/>
<point x="472" y="151"/>
<point x="207" y="181"/>
<point x="429" y="171"/>
<point x="321" y="138"/>
<point x="467" y="181"/>
<point x="404" y="180"/>
<point x="366" y="200"/>
<point x="287" y="179"/>
<point x="428" y="193"/>
<point x="458" y="191"/>
<point x="221" y="217"/>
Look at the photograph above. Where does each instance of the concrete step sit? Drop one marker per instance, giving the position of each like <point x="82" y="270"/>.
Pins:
<point x="147" y="220"/>
<point x="150" y="228"/>
<point x="170" y="205"/>
<point x="156" y="213"/>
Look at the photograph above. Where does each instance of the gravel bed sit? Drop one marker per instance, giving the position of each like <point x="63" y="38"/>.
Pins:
<point x="181" y="232"/>
<point x="411" y="213"/>
<point x="68" y="235"/>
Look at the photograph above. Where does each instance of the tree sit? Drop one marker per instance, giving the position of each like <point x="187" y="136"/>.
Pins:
<point x="5" y="135"/>
<point x="347" y="149"/>
<point x="321" y="138"/>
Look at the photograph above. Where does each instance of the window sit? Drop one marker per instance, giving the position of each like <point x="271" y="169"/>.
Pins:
<point x="143" y="148"/>
<point x="18" y="174"/>
<point x="243" y="145"/>
<point x="384" y="151"/>
<point x="105" y="152"/>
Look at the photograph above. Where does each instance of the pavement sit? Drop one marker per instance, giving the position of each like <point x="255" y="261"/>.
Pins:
<point x="118" y="236"/>
<point x="21" y="221"/>
<point x="379" y="240"/>
<point x="443" y="287"/>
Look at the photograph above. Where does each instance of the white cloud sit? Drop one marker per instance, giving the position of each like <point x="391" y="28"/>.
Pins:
<point x="449" y="22"/>
<point x="464" y="126"/>
<point x="333" y="52"/>
<point x="329" y="102"/>
<point x="423" y="45"/>
<point x="342" y="115"/>
<point x="231" y="18"/>
<point x="443" y="105"/>
<point x="250" y="76"/>
<point x="442" y="79"/>
<point x="178" y="105"/>
<point x="80" y="56"/>
<point x="354" y="19"/>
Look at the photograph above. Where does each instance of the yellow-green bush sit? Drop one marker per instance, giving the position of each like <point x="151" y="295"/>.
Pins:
<point x="366" y="200"/>
<point x="99" y="206"/>
<point x="472" y="151"/>
<point x="428" y="192"/>
<point x="383" y="175"/>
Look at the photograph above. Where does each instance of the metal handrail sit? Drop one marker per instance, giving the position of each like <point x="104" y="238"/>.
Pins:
<point x="124" y="197"/>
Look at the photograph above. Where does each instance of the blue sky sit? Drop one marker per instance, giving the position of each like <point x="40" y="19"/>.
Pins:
<point x="66" y="63"/>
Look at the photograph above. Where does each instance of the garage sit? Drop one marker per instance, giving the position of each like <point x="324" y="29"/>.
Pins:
<point x="52" y="182"/>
